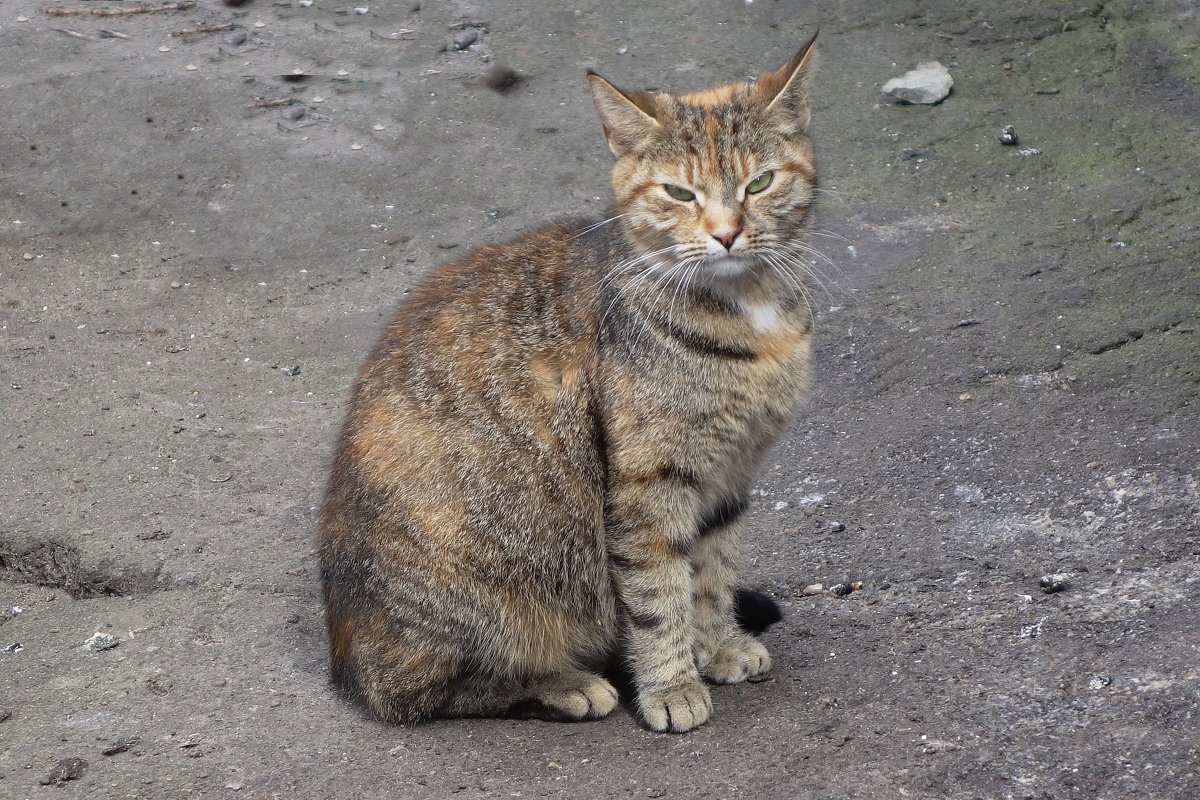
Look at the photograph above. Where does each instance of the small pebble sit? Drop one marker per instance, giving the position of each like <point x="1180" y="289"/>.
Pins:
<point x="101" y="641"/>
<point x="377" y="128"/>
<point x="291" y="369"/>
<point x="1052" y="584"/>
<point x="260" y="24"/>
<point x="120" y="745"/>
<point x="841" y="589"/>
<point x="342" y="73"/>
<point x="356" y="146"/>
<point x="191" y="68"/>
<point x="236" y="38"/>
<point x="836" y="527"/>
<point x="28" y="256"/>
<point x="295" y="112"/>
<point x="362" y="10"/>
<point x="462" y="39"/>
<point x="22" y="19"/>
<point x="69" y="769"/>
<point x="164" y="49"/>
<point x="318" y="99"/>
<point x="1008" y="135"/>
<point x="813" y="589"/>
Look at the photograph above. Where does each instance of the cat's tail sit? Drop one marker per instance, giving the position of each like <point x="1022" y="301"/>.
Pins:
<point x="756" y="611"/>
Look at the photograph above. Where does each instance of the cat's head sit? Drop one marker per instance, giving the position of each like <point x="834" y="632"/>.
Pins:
<point x="720" y="178"/>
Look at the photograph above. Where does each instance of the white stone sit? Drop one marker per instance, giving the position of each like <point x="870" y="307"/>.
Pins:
<point x="929" y="83"/>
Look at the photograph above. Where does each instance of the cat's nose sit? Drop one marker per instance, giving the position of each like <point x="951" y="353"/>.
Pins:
<point x="726" y="236"/>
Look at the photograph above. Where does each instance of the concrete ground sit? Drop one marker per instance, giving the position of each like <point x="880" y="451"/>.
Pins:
<point x="197" y="247"/>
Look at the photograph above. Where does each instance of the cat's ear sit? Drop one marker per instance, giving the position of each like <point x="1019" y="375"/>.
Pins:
<point x="785" y="90"/>
<point x="627" y="117"/>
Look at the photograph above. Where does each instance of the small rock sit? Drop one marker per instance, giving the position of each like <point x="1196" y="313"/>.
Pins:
<point x="840" y="589"/>
<point x="1008" y="136"/>
<point x="929" y="83"/>
<point x="294" y="112"/>
<point x="236" y="38"/>
<point x="15" y="647"/>
<point x="781" y="505"/>
<point x="5" y="714"/>
<point x="235" y="785"/>
<point x="69" y="769"/>
<point x="835" y="527"/>
<point x="99" y="641"/>
<point x="120" y="745"/>
<point x="292" y="619"/>
<point x="291" y="369"/>
<point x="1053" y="584"/>
<point x="461" y="40"/>
<point x="812" y="590"/>
<point x="156" y="535"/>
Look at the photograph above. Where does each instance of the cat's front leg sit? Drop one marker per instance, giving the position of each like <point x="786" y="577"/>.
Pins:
<point x="650" y="535"/>
<point x="724" y="652"/>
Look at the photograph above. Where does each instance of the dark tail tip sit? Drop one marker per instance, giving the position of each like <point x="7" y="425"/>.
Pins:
<point x="756" y="611"/>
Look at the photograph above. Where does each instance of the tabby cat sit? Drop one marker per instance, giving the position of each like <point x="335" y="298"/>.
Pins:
<point x="547" y="454"/>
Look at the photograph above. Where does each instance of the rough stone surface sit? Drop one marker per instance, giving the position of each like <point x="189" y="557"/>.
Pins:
<point x="145" y="408"/>
<point x="929" y="83"/>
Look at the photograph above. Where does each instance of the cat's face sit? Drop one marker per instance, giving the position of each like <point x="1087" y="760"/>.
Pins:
<point x="716" y="181"/>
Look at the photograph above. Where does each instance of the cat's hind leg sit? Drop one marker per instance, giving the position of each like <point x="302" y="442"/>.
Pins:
<point x="566" y="696"/>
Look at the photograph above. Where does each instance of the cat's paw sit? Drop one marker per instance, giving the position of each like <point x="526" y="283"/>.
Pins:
<point x="677" y="710"/>
<point x="576" y="695"/>
<point x="738" y="658"/>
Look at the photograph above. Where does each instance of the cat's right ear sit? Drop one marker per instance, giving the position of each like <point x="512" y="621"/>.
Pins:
<point x="627" y="117"/>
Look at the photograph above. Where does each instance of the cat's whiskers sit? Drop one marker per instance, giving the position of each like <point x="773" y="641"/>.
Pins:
<point x="624" y="269"/>
<point x="794" y="282"/>
<point x="808" y="255"/>
<point x="600" y="224"/>
<point x="804" y="266"/>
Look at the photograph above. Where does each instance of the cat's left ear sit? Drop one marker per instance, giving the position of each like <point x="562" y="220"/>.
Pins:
<point x="786" y="89"/>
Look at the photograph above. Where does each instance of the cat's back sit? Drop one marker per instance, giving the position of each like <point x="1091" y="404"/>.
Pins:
<point x="496" y="302"/>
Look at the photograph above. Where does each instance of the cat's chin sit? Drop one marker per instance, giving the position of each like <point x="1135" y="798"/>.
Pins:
<point x="729" y="266"/>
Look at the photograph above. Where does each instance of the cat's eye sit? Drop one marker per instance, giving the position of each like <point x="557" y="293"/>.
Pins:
<point x="761" y="182"/>
<point x="679" y="193"/>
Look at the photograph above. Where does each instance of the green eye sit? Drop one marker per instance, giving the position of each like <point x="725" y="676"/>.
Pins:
<point x="679" y="193"/>
<point x="761" y="182"/>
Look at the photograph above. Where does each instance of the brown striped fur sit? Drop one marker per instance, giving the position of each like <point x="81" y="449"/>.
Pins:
<point x="547" y="455"/>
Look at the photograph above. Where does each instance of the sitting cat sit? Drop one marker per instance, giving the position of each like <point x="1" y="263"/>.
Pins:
<point x="548" y="452"/>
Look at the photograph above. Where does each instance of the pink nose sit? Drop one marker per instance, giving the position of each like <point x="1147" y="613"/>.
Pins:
<point x="726" y="236"/>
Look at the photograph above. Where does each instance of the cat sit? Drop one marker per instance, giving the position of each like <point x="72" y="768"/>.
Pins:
<point x="547" y="455"/>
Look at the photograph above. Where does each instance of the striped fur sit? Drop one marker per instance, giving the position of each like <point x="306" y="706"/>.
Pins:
<point x="548" y="453"/>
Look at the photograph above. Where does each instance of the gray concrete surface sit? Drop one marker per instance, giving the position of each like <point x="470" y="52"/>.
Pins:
<point x="1005" y="388"/>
